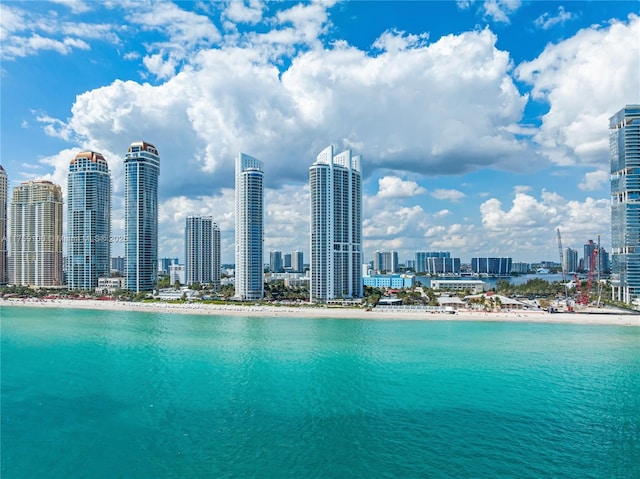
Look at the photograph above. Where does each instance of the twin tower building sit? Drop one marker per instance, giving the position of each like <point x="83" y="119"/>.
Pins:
<point x="36" y="242"/>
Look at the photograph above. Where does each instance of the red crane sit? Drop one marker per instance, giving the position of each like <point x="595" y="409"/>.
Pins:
<point x="583" y="296"/>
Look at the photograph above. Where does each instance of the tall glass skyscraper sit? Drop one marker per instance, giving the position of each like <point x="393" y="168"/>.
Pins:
<point x="88" y="220"/>
<point x="142" y="169"/>
<point x="624" y="148"/>
<point x="36" y="234"/>
<point x="4" y="198"/>
<point x="202" y="250"/>
<point x="336" y="226"/>
<point x="249" y="216"/>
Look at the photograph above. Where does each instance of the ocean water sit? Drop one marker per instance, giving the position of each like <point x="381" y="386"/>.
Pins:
<point x="93" y="394"/>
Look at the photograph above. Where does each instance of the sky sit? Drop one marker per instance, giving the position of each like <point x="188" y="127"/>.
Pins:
<point x="482" y="125"/>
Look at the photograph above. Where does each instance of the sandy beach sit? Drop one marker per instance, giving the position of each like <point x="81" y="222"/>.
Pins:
<point x="597" y="316"/>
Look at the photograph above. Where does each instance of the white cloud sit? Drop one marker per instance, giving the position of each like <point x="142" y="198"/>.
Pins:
<point x="240" y="12"/>
<point x="499" y="10"/>
<point x="530" y="224"/>
<point x="594" y="180"/>
<point x="445" y="194"/>
<point x="394" y="187"/>
<point x="442" y="213"/>
<point x="545" y="21"/>
<point x="574" y="130"/>
<point x="76" y="6"/>
<point x="394" y="40"/>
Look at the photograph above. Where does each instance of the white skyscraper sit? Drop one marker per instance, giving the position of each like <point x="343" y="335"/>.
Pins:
<point x="89" y="220"/>
<point x="336" y="226"/>
<point x="202" y="251"/>
<point x="249" y="216"/>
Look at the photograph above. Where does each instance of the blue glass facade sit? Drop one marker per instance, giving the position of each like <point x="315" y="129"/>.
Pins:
<point x="89" y="221"/>
<point x="624" y="148"/>
<point x="142" y="169"/>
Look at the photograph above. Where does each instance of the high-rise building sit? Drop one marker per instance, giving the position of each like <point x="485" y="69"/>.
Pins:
<point x="36" y="234"/>
<point x="164" y="265"/>
<point x="422" y="259"/>
<point x="385" y="261"/>
<point x="286" y="262"/>
<point x="142" y="169"/>
<point x="117" y="265"/>
<point x="297" y="261"/>
<point x="4" y="192"/>
<point x="590" y="255"/>
<point x="624" y="148"/>
<point x="499" y="266"/>
<point x="275" y="262"/>
<point x="336" y="226"/>
<point x="88" y="220"/>
<point x="570" y="260"/>
<point x="202" y="250"/>
<point x="249" y="235"/>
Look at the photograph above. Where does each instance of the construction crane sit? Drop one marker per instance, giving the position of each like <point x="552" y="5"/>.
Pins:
<point x="583" y="296"/>
<point x="561" y="254"/>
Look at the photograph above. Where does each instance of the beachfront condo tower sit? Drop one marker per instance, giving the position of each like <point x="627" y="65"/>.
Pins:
<point x="624" y="148"/>
<point x="142" y="170"/>
<point x="202" y="251"/>
<point x="249" y="235"/>
<point x="88" y="220"/>
<point x="36" y="234"/>
<point x="336" y="226"/>
<point x="4" y="198"/>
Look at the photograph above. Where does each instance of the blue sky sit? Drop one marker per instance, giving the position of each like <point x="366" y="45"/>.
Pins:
<point x="483" y="125"/>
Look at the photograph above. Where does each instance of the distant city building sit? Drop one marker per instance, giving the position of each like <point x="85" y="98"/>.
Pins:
<point x="389" y="281"/>
<point x="385" y="261"/>
<point x="589" y="249"/>
<point x="88" y="221"/>
<point x="520" y="267"/>
<point x="202" y="251"/>
<point x="436" y="265"/>
<point x="117" y="265"/>
<point x="164" y="265"/>
<point x="286" y="262"/>
<point x="498" y="266"/>
<point x="177" y="273"/>
<point x="275" y="262"/>
<point x="297" y="261"/>
<point x="4" y="198"/>
<point x="624" y="148"/>
<point x="36" y="234"/>
<point x="423" y="256"/>
<point x="249" y="234"/>
<point x="605" y="263"/>
<point x="570" y="261"/>
<point x="336" y="226"/>
<point x="142" y="169"/>
<point x="411" y="264"/>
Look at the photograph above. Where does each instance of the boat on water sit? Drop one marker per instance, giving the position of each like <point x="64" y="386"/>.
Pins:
<point x="542" y="271"/>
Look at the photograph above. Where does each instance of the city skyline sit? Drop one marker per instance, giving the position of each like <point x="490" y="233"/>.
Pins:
<point x="470" y="116"/>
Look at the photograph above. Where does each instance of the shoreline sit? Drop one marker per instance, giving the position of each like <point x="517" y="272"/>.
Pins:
<point x="601" y="317"/>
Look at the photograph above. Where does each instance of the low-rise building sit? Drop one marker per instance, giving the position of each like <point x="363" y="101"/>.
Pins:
<point x="110" y="285"/>
<point x="474" y="285"/>
<point x="389" y="281"/>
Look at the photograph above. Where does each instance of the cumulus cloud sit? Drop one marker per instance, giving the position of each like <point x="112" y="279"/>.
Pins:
<point x="240" y="12"/>
<point x="530" y="223"/>
<point x="594" y="180"/>
<point x="395" y="187"/>
<point x="444" y="194"/>
<point x="574" y="131"/>
<point x="499" y="10"/>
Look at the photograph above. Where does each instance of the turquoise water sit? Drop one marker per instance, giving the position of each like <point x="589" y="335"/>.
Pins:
<point x="145" y="395"/>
